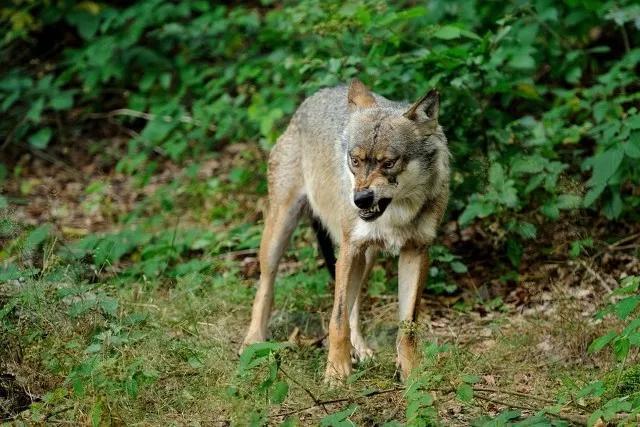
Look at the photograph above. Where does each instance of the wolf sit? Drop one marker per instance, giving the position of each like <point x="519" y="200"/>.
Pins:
<point x="374" y="175"/>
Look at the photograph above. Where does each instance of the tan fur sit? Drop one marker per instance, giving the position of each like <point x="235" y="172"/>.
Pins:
<point x="339" y="142"/>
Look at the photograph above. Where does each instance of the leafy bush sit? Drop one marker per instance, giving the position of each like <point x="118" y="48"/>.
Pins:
<point x="542" y="96"/>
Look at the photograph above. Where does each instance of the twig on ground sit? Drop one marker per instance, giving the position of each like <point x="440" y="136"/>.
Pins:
<point x="596" y="276"/>
<point x="311" y="395"/>
<point x="576" y="419"/>
<point x="233" y="254"/>
<point x="514" y="393"/>
<point x="625" y="247"/>
<point x="344" y="399"/>
<point x="52" y="159"/>
<point x="616" y="245"/>
<point x="573" y="418"/>
<point x="624" y="240"/>
<point x="58" y="412"/>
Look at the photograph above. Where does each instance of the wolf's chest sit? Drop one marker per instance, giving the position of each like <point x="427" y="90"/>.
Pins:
<point x="395" y="228"/>
<point x="390" y="238"/>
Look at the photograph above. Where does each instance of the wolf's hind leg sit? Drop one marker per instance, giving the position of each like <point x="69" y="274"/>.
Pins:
<point x="281" y="220"/>
<point x="361" y="351"/>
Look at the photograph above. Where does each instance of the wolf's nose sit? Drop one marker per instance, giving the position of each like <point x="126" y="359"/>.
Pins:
<point x="363" y="199"/>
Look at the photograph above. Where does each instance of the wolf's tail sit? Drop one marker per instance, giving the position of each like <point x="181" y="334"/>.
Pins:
<point x="326" y="246"/>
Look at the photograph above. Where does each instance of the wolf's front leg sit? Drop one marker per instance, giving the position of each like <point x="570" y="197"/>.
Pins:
<point x="349" y="270"/>
<point x="412" y="272"/>
<point x="361" y="351"/>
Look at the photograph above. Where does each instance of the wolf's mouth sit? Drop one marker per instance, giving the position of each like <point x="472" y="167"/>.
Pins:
<point x="374" y="212"/>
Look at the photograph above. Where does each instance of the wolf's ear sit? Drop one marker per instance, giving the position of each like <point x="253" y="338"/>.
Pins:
<point x="425" y="108"/>
<point x="359" y="96"/>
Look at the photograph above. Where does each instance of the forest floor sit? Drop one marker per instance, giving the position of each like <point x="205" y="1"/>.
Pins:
<point x="150" y="337"/>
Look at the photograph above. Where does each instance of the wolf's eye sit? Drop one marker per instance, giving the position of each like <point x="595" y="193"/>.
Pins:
<point x="355" y="162"/>
<point x="388" y="164"/>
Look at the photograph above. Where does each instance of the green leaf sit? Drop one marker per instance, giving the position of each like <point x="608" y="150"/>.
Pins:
<point x="464" y="393"/>
<point x="605" y="164"/>
<point x="593" y="195"/>
<point x="96" y="414"/>
<point x="621" y="347"/>
<point x="600" y="109"/>
<point x="458" y="267"/>
<point x="612" y="208"/>
<point x="62" y="100"/>
<point x="569" y="201"/>
<point x="470" y="379"/>
<point x="550" y="210"/>
<point x="109" y="306"/>
<point x="534" y="183"/>
<point x="528" y="164"/>
<point x="522" y="60"/>
<point x="40" y="139"/>
<point x="526" y="230"/>
<point x="37" y="236"/>
<point x="339" y="419"/>
<point x="195" y="362"/>
<point x="448" y="32"/>
<point x="476" y="209"/>
<point x="280" y="390"/>
<point x="86" y="23"/>
<point x="257" y="351"/>
<point x="626" y="306"/>
<point x="496" y="175"/>
<point x="594" y="389"/>
<point x="157" y="130"/>
<point x="36" y="110"/>
<point x="514" y="252"/>
<point x="633" y="122"/>
<point x="599" y="343"/>
<point x="93" y="348"/>
<point x="632" y="148"/>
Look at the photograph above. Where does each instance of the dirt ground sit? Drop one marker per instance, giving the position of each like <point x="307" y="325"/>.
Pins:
<point x="524" y="336"/>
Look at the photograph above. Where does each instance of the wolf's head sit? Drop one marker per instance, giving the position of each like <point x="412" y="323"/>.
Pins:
<point x="392" y="153"/>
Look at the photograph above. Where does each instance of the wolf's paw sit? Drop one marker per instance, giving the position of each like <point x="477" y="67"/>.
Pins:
<point x="361" y="353"/>
<point x="337" y="372"/>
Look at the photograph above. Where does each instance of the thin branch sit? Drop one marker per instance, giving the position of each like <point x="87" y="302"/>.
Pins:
<point x="233" y="254"/>
<point x="58" y="412"/>
<point x="625" y="39"/>
<point x="625" y="240"/>
<point x="150" y="116"/>
<point x="311" y="395"/>
<point x="576" y="419"/>
<point x="52" y="159"/>
<point x="596" y="275"/>
<point x="344" y="399"/>
<point x="616" y="245"/>
<point x="515" y="393"/>
<point x="503" y="403"/>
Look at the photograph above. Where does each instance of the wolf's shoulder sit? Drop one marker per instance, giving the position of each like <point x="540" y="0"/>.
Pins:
<point x="328" y="97"/>
<point x="324" y="111"/>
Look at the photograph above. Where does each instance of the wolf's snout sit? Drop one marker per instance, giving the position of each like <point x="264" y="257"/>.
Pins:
<point x="363" y="199"/>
